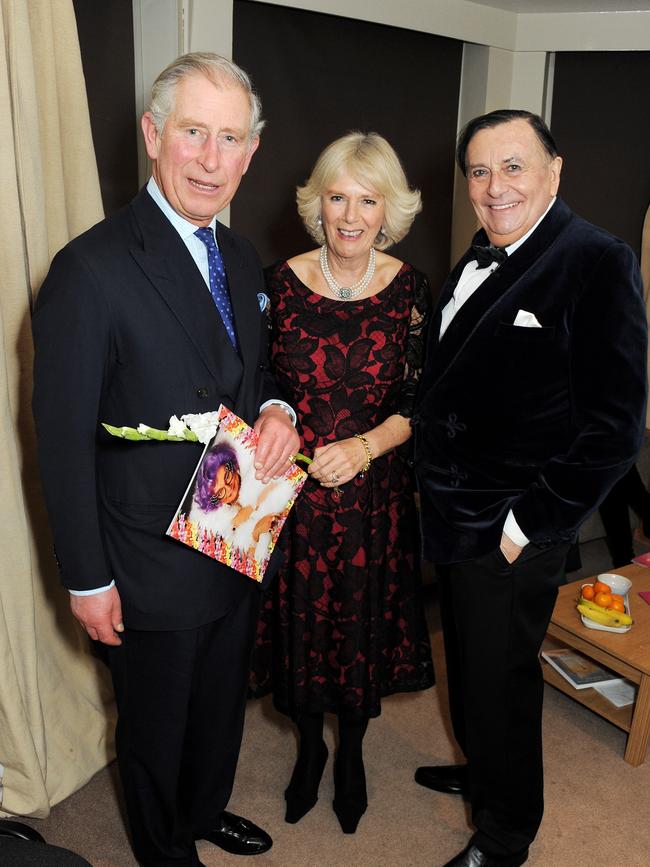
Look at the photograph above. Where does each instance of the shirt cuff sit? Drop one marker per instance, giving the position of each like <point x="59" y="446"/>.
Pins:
<point x="91" y="592"/>
<point x="285" y="406"/>
<point x="513" y="531"/>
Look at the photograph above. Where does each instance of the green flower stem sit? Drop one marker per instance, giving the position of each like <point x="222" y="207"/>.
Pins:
<point x="300" y="457"/>
<point x="127" y="433"/>
<point x="152" y="433"/>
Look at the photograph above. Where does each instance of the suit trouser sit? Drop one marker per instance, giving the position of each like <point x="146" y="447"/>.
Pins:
<point x="494" y="618"/>
<point x="181" y="698"/>
<point x="614" y="512"/>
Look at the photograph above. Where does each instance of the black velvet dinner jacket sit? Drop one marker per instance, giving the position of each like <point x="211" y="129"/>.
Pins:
<point x="126" y="331"/>
<point x="540" y="420"/>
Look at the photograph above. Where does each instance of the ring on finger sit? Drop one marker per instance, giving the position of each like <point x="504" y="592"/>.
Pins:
<point x="334" y="478"/>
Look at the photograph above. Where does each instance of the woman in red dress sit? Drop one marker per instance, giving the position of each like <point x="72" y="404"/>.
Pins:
<point x="344" y="624"/>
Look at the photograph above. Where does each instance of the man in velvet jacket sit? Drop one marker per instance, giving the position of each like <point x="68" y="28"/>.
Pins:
<point x="126" y="331"/>
<point x="532" y="406"/>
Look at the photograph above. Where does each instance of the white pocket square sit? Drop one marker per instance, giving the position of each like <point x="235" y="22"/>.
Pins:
<point x="263" y="301"/>
<point x="526" y="320"/>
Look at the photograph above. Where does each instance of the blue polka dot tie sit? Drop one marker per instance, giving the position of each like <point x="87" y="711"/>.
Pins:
<point x="218" y="281"/>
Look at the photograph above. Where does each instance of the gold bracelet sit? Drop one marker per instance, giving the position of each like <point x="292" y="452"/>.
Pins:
<point x="364" y="442"/>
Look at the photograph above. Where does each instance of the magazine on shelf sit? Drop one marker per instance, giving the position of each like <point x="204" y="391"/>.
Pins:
<point x="621" y="694"/>
<point x="580" y="671"/>
<point x="228" y="514"/>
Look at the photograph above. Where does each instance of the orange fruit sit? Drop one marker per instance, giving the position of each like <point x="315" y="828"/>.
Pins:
<point x="601" y="587"/>
<point x="603" y="599"/>
<point x="588" y="591"/>
<point x="617" y="596"/>
<point x="616" y="605"/>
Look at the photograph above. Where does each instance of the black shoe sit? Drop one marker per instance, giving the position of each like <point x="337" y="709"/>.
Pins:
<point x="19" y="831"/>
<point x="350" y="796"/>
<point x="302" y="792"/>
<point x="349" y="811"/>
<point x="239" y="836"/>
<point x="473" y="857"/>
<point x="451" y="779"/>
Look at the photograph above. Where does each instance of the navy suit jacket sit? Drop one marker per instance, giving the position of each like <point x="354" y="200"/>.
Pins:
<point x="125" y="331"/>
<point x="542" y="421"/>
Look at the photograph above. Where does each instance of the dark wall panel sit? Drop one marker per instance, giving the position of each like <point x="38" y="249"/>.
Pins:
<point x="320" y="76"/>
<point x="106" y="39"/>
<point x="601" y="122"/>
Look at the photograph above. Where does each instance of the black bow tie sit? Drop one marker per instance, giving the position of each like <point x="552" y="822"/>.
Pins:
<point x="486" y="255"/>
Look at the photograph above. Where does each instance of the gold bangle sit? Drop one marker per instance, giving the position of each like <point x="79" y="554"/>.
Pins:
<point x="364" y="442"/>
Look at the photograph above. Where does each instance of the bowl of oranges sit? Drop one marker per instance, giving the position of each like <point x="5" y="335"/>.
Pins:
<point x="604" y="603"/>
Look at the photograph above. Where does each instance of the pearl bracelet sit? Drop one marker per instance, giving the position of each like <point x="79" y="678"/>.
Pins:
<point x="364" y="442"/>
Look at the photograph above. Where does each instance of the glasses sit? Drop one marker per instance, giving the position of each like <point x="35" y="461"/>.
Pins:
<point x="229" y="470"/>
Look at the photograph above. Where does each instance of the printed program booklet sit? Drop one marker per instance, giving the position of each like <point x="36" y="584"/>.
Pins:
<point x="228" y="514"/>
<point x="579" y="670"/>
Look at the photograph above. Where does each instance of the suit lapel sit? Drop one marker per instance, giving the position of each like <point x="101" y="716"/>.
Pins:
<point x="496" y="288"/>
<point x="168" y="265"/>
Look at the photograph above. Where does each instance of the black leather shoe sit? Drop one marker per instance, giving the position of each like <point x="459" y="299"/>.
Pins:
<point x="19" y="831"/>
<point x="239" y="836"/>
<point x="473" y="857"/>
<point x="451" y="779"/>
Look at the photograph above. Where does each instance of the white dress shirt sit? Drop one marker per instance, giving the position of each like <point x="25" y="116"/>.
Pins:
<point x="473" y="277"/>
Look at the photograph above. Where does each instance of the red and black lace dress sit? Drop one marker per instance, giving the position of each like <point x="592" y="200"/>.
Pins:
<point x="343" y="624"/>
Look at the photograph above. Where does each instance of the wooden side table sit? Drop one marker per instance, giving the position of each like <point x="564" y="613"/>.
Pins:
<point x="627" y="653"/>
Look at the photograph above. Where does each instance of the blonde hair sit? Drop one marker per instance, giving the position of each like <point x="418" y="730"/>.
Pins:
<point x="216" y="68"/>
<point x="371" y="161"/>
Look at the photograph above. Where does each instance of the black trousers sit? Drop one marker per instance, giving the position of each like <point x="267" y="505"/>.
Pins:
<point x="494" y="618"/>
<point x="181" y="698"/>
<point x="614" y="512"/>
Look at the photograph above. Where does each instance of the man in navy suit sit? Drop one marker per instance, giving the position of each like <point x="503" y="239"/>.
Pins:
<point x="532" y="406"/>
<point x="127" y="330"/>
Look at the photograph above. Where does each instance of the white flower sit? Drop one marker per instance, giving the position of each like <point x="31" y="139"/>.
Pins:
<point x="203" y="424"/>
<point x="176" y="427"/>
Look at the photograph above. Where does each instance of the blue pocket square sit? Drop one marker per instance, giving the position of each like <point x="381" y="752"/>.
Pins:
<point x="263" y="301"/>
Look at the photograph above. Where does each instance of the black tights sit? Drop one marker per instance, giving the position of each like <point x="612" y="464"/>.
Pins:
<point x="351" y="732"/>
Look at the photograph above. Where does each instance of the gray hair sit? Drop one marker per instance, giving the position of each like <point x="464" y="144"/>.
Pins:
<point x="216" y="68"/>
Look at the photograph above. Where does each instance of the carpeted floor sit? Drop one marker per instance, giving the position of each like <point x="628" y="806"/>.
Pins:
<point x="597" y="806"/>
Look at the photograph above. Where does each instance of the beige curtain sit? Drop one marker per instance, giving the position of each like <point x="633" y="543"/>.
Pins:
<point x="56" y="713"/>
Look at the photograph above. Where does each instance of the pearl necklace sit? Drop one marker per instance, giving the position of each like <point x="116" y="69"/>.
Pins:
<point x="347" y="293"/>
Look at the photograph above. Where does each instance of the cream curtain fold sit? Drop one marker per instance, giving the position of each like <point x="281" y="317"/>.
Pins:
<point x="56" y="709"/>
